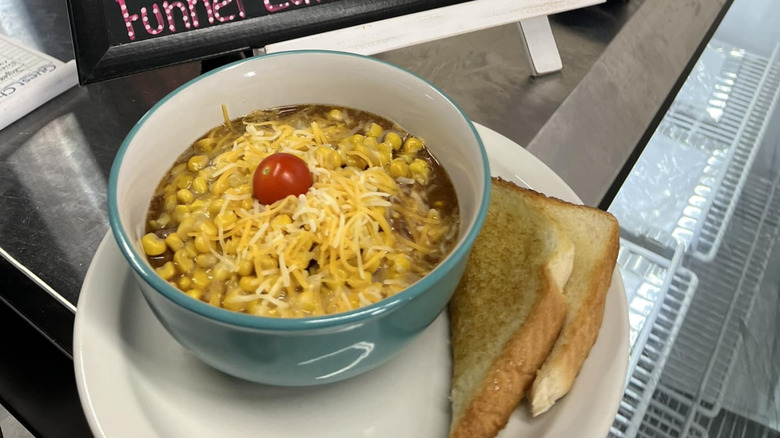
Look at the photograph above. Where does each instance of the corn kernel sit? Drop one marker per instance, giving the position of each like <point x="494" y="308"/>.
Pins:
<point x="183" y="261"/>
<point x="215" y="206"/>
<point x="228" y="302"/>
<point x="268" y="262"/>
<point x="189" y="249"/>
<point x="174" y="242"/>
<point x="185" y="196"/>
<point x="197" y="162"/>
<point x="246" y="267"/>
<point x="205" y="261"/>
<point x="153" y="245"/>
<point x="208" y="228"/>
<point x="202" y="244"/>
<point x="231" y="246"/>
<point x="280" y="222"/>
<point x="412" y="145"/>
<point x="219" y="187"/>
<point x="199" y="185"/>
<point x="394" y="140"/>
<point x="166" y="271"/>
<point x="402" y="264"/>
<point x="195" y="293"/>
<point x="171" y="201"/>
<point x="307" y="301"/>
<point x="385" y="152"/>
<point x="336" y="115"/>
<point x="205" y="144"/>
<point x="357" y="138"/>
<point x="354" y="161"/>
<point x="255" y="308"/>
<point x="181" y="212"/>
<point x="371" y="143"/>
<point x="186" y="225"/>
<point x="236" y="180"/>
<point x="220" y="272"/>
<point x="215" y="297"/>
<point x="225" y="219"/>
<point x="183" y="181"/>
<point x="198" y="205"/>
<point x="200" y="279"/>
<point x="164" y="220"/>
<point x="374" y="130"/>
<point x="327" y="157"/>
<point x="178" y="169"/>
<point x="420" y="171"/>
<point x="184" y="283"/>
<point x="398" y="168"/>
<point x="249" y="283"/>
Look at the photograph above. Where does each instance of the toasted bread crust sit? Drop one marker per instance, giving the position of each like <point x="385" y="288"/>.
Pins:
<point x="484" y="400"/>
<point x="586" y="298"/>
<point x="514" y="371"/>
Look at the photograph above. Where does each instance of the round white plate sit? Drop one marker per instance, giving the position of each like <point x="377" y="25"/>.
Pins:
<point x="135" y="381"/>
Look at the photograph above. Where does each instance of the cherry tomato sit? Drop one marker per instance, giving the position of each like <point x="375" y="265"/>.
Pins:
<point x="279" y="176"/>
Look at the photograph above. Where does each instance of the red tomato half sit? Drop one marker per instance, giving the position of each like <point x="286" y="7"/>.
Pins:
<point x="279" y="176"/>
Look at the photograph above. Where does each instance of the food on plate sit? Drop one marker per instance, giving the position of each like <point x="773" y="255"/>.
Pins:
<point x="506" y="312"/>
<point x="301" y="211"/>
<point x="529" y="306"/>
<point x="596" y="238"/>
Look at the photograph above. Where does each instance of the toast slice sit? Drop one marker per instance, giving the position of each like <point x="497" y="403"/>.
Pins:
<point x="596" y="238"/>
<point x="507" y="310"/>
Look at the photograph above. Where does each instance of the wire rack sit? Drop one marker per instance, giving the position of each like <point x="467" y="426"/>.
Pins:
<point x="653" y="354"/>
<point x="688" y="396"/>
<point x="681" y="364"/>
<point x="744" y="94"/>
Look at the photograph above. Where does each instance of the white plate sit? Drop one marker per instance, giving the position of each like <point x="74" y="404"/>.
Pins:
<point x="135" y="381"/>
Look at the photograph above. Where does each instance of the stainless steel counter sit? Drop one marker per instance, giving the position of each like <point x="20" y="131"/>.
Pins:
<point x="584" y="122"/>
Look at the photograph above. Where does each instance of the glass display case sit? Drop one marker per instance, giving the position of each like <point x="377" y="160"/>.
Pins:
<point x="700" y="217"/>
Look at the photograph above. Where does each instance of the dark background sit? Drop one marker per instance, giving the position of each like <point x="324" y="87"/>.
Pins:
<point x="117" y="29"/>
<point x="104" y="51"/>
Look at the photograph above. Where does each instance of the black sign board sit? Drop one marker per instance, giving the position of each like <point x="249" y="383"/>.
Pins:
<point x="114" y="38"/>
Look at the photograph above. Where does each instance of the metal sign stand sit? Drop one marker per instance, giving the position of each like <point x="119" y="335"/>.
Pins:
<point x="395" y="33"/>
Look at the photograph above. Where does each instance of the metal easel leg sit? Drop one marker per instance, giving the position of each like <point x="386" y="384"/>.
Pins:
<point x="540" y="48"/>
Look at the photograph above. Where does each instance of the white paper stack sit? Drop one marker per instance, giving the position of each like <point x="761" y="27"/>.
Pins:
<point x="28" y="79"/>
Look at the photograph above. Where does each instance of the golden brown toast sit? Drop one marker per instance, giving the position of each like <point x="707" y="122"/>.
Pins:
<point x="596" y="238"/>
<point x="507" y="310"/>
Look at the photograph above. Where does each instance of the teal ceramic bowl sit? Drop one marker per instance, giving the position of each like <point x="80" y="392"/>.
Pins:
<point x="307" y="351"/>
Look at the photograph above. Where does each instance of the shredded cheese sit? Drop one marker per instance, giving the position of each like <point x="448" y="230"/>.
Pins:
<point x="335" y="244"/>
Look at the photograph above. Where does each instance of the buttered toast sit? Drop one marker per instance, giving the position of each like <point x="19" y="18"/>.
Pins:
<point x="507" y="311"/>
<point x="596" y="238"/>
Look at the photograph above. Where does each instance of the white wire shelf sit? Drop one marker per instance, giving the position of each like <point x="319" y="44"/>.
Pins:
<point x="688" y="396"/>
<point x="659" y="292"/>
<point x="743" y="96"/>
<point x="728" y="219"/>
<point x="703" y="150"/>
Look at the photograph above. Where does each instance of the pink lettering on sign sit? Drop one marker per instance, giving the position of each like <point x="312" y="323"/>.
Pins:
<point x="194" y="12"/>
<point x="190" y="13"/>
<point x="221" y="4"/>
<point x="169" y="14"/>
<point x="129" y="19"/>
<point x="158" y="15"/>
<point x="276" y="7"/>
